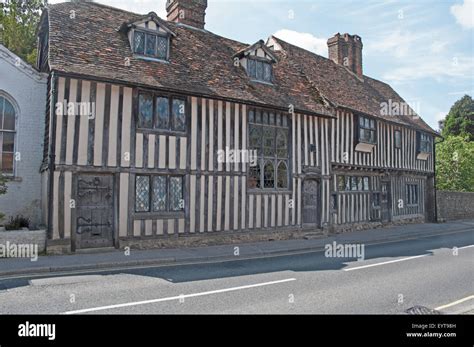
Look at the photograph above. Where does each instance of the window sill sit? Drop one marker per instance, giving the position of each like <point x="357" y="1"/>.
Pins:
<point x="161" y="131"/>
<point x="268" y="191"/>
<point x="158" y="215"/>
<point x="262" y="82"/>
<point x="144" y="57"/>
<point x="423" y="155"/>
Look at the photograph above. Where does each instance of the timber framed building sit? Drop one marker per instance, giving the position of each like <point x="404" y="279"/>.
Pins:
<point x="159" y="129"/>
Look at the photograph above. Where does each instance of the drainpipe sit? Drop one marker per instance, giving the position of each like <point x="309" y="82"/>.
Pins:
<point x="52" y="155"/>
<point x="434" y="179"/>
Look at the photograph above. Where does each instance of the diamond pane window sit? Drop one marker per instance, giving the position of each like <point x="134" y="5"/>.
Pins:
<point x="254" y="177"/>
<point x="179" y="114"/>
<point x="282" y="143"/>
<point x="267" y="72"/>
<point x="367" y="130"/>
<point x="268" y="141"/>
<point x="252" y="68"/>
<point x="150" y="44"/>
<point x="162" y="113"/>
<point x="145" y="111"/>
<point x="176" y="193"/>
<point x="159" y="193"/>
<point x="255" y="139"/>
<point x="142" y="194"/>
<point x="259" y="74"/>
<point x="139" y="42"/>
<point x="282" y="175"/>
<point x="162" y="47"/>
<point x="269" y="175"/>
<point x="366" y="183"/>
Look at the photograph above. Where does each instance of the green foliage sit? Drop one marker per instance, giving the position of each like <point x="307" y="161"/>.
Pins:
<point x="460" y="119"/>
<point x="455" y="164"/>
<point x="17" y="223"/>
<point x="18" y="22"/>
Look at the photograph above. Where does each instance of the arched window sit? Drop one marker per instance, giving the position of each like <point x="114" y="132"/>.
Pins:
<point x="254" y="177"/>
<point x="7" y="136"/>
<point x="282" y="175"/>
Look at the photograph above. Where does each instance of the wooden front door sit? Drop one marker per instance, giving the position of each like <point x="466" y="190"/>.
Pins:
<point x="385" y="201"/>
<point x="311" y="203"/>
<point x="94" y="214"/>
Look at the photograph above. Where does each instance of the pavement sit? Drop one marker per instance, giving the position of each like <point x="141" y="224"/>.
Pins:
<point x="427" y="267"/>
<point x="142" y="258"/>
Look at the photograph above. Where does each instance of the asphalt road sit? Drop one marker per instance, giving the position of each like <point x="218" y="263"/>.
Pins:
<point x="392" y="278"/>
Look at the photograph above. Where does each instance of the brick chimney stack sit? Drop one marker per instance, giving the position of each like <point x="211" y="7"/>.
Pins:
<point x="189" y="12"/>
<point x="346" y="50"/>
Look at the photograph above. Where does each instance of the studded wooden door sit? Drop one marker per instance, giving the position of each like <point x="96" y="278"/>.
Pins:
<point x="311" y="203"/>
<point x="385" y="201"/>
<point x="94" y="214"/>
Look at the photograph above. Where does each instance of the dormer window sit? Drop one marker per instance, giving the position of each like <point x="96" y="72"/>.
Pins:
<point x="257" y="60"/>
<point x="260" y="70"/>
<point x="149" y="37"/>
<point x="151" y="45"/>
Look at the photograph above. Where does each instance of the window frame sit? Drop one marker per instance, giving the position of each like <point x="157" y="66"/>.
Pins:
<point x="279" y="123"/>
<point x="424" y="142"/>
<point x="156" y="33"/>
<point x="264" y="62"/>
<point x="345" y="183"/>
<point x="171" y="97"/>
<point x="397" y="144"/>
<point x="410" y="189"/>
<point x="370" y="129"/>
<point x="6" y="98"/>
<point x="168" y="210"/>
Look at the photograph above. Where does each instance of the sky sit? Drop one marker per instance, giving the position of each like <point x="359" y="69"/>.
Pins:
<point x="424" y="49"/>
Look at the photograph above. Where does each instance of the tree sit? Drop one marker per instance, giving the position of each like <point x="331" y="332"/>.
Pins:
<point x="455" y="164"/>
<point x="460" y="119"/>
<point x="18" y="22"/>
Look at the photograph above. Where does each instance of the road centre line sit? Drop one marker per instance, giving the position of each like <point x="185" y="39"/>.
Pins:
<point x="179" y="297"/>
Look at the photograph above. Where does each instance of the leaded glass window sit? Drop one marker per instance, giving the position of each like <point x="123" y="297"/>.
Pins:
<point x="166" y="113"/>
<point x="267" y="72"/>
<point x="179" y="112"/>
<point x="159" y="193"/>
<point x="259" y="75"/>
<point x="282" y="175"/>
<point x="252" y="68"/>
<point x="162" y="47"/>
<point x="139" y="42"/>
<point x="163" y="112"/>
<point x="367" y="130"/>
<point x="150" y="44"/>
<point x="176" y="193"/>
<point x="270" y="139"/>
<point x="269" y="175"/>
<point x="145" y="111"/>
<point x="142" y="194"/>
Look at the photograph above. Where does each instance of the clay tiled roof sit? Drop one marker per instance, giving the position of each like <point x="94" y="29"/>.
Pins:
<point x="201" y="63"/>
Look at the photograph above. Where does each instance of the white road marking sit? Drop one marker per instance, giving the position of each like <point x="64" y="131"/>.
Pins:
<point x="465" y="247"/>
<point x="386" y="262"/>
<point x="455" y="302"/>
<point x="396" y="260"/>
<point x="179" y="297"/>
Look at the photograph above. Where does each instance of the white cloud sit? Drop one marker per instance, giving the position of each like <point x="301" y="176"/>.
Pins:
<point x="304" y="40"/>
<point x="438" y="68"/>
<point x="440" y="115"/>
<point x="464" y="13"/>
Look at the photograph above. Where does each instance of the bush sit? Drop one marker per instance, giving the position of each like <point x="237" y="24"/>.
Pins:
<point x="17" y="223"/>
